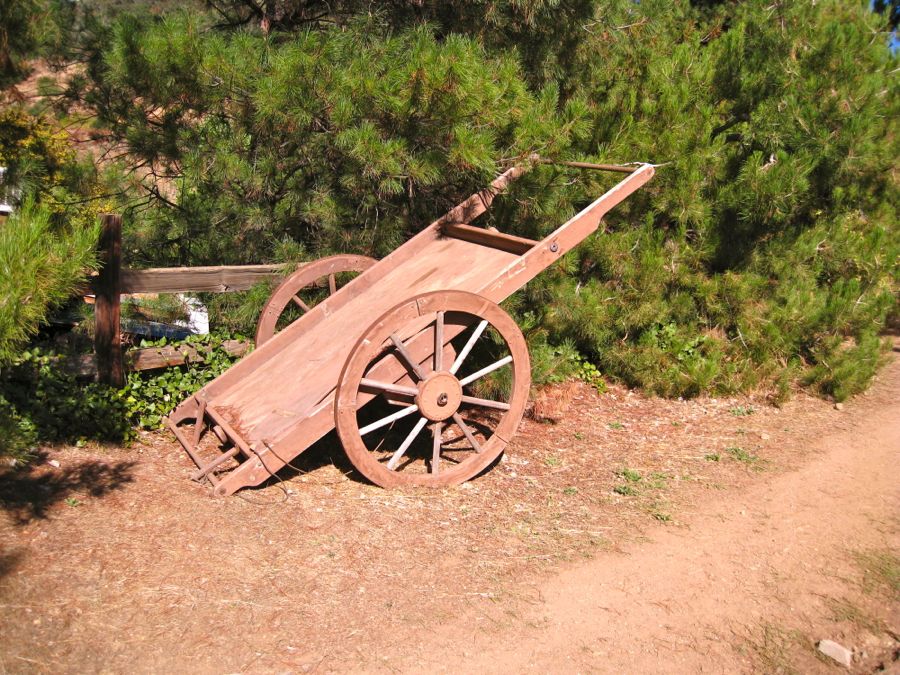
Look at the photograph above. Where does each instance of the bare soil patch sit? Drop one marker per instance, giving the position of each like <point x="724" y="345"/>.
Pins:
<point x="113" y="561"/>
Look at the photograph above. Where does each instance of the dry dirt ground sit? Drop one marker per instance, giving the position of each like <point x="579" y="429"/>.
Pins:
<point x="620" y="533"/>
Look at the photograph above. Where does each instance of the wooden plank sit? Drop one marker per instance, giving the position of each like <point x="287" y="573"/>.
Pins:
<point x="107" y="339"/>
<point x="596" y="167"/>
<point x="478" y="235"/>
<point x="219" y="279"/>
<point x="152" y="358"/>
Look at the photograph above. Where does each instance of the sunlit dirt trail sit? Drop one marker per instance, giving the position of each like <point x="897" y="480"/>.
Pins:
<point x="745" y="584"/>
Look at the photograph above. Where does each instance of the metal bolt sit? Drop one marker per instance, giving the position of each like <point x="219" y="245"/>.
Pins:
<point x="442" y="399"/>
<point x="554" y="247"/>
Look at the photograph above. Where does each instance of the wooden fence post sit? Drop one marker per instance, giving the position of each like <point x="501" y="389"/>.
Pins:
<point x="108" y="288"/>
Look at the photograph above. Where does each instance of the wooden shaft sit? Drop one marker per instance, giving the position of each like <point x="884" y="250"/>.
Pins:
<point x="221" y="459"/>
<point x="107" y="338"/>
<point x="595" y="167"/>
<point x="219" y="279"/>
<point x="479" y="235"/>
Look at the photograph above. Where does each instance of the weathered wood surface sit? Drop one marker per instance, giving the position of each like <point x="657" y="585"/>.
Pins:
<point x="152" y="358"/>
<point x="107" y="338"/>
<point x="620" y="168"/>
<point x="478" y="235"/>
<point x="276" y="392"/>
<point x="280" y="398"/>
<point x="219" y="279"/>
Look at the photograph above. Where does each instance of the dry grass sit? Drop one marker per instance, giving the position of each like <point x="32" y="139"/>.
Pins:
<point x="154" y="573"/>
<point x="881" y="572"/>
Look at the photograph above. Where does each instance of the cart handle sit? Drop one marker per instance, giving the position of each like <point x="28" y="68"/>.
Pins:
<point x="621" y="168"/>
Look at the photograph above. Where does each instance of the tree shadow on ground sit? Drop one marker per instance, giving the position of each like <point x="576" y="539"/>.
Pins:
<point x="10" y="561"/>
<point x="28" y="491"/>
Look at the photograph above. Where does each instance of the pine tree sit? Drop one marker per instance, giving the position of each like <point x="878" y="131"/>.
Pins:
<point x="47" y="244"/>
<point x="765" y="249"/>
<point x="336" y="139"/>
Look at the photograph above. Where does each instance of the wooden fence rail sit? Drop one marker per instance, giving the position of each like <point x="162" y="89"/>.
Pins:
<point x="113" y="281"/>
<point x="198" y="279"/>
<point x="151" y="358"/>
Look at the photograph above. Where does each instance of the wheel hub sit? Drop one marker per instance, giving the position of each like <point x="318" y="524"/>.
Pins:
<point x="440" y="395"/>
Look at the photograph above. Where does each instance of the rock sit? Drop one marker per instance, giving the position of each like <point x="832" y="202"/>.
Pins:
<point x="838" y="406"/>
<point x="838" y="652"/>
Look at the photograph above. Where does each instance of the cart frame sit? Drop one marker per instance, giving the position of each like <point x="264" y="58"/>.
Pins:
<point x="260" y="443"/>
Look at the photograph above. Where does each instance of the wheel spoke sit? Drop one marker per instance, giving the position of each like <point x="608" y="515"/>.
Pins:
<point x="388" y="387"/>
<point x="302" y="305"/>
<point x="384" y="421"/>
<point x="439" y="342"/>
<point x="467" y="432"/>
<point x="395" y="458"/>
<point x="471" y="343"/>
<point x="436" y="447"/>
<point x="485" y="403"/>
<point x="406" y="358"/>
<point x="484" y="371"/>
<point x="332" y="284"/>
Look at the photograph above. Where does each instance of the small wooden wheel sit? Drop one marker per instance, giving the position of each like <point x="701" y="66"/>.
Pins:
<point x="399" y="379"/>
<point x="287" y="303"/>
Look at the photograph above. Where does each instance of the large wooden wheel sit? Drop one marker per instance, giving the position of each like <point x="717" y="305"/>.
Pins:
<point x="451" y="361"/>
<point x="303" y="289"/>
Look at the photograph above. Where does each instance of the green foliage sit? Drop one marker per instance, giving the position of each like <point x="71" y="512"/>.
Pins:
<point x="46" y="251"/>
<point x="630" y="475"/>
<point x="45" y="398"/>
<point x="149" y="397"/>
<point x="339" y="140"/>
<point x="764" y="251"/>
<point x="742" y="455"/>
<point x="18" y="437"/>
<point x="891" y="7"/>
<point x="40" y="266"/>
<point x="42" y="163"/>
<point x="47" y="244"/>
<point x="42" y="402"/>
<point x="589" y="373"/>
<point x="27" y="28"/>
<point x="741" y="411"/>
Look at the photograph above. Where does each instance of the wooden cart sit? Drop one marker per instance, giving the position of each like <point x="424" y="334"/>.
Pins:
<point x="415" y="340"/>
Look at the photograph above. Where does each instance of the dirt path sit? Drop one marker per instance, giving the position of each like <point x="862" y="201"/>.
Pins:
<point x="759" y="568"/>
<point x="623" y="534"/>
